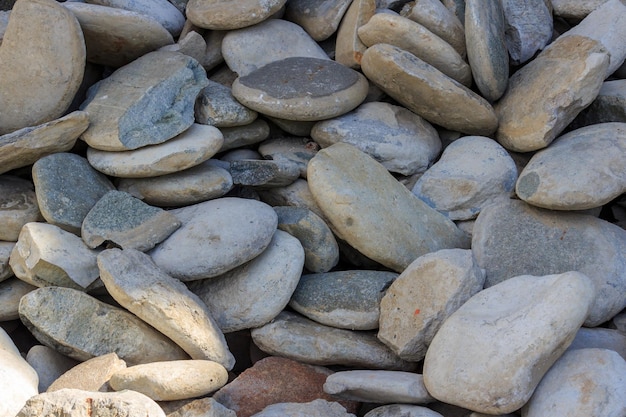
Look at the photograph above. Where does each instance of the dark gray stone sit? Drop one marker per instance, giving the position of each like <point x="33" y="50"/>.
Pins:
<point x="529" y="28"/>
<point x="264" y="173"/>
<point x="609" y="106"/>
<point x="238" y="136"/>
<point x="217" y="107"/>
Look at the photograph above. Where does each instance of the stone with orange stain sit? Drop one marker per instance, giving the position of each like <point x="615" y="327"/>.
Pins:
<point x="349" y="48"/>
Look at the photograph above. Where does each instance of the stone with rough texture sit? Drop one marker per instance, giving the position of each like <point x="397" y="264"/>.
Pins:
<point x="420" y="300"/>
<point x="261" y="173"/>
<point x="47" y="255"/>
<point x="115" y="37"/>
<point x="224" y="242"/>
<point x="18" y="380"/>
<point x="585" y="382"/>
<point x="403" y="410"/>
<point x="472" y="172"/>
<point x="216" y="106"/>
<point x="373" y="212"/>
<point x="548" y="242"/>
<point x="320" y="18"/>
<point x="545" y="95"/>
<point x="18" y="206"/>
<point x="601" y="338"/>
<point x="342" y="299"/>
<point x="92" y="375"/>
<point x="378" y="387"/>
<point x="11" y="291"/>
<point x="25" y="146"/>
<point x="529" y="28"/>
<point x="66" y="195"/>
<point x="582" y="169"/>
<point x="126" y="221"/>
<point x="49" y="364"/>
<point x="248" y="49"/>
<point x="399" y="139"/>
<point x="5" y="254"/>
<point x="413" y="38"/>
<point x="74" y="402"/>
<point x="491" y="353"/>
<point x="203" y="407"/>
<point x="316" y="408"/>
<point x="227" y="15"/>
<point x="165" y="303"/>
<point x="609" y="106"/>
<point x="94" y="328"/>
<point x="162" y="11"/>
<point x="146" y="102"/>
<point x="250" y="134"/>
<point x="424" y="90"/>
<point x="174" y="380"/>
<point x="41" y="69"/>
<point x="349" y="48"/>
<point x="293" y="336"/>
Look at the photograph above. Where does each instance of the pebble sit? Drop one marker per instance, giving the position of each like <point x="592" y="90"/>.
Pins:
<point x="260" y="173"/>
<point x="529" y="28"/>
<point x="296" y="337"/>
<point x="174" y="380"/>
<point x="399" y="139"/>
<point x="162" y="11"/>
<point x="239" y="136"/>
<point x="428" y="92"/>
<point x="49" y="364"/>
<point x="223" y="244"/>
<point x="319" y="18"/>
<point x="293" y="149"/>
<point x="254" y="293"/>
<point x="374" y="213"/>
<point x="342" y="299"/>
<point x="18" y="380"/>
<point x="18" y="206"/>
<point x="123" y="118"/>
<point x="226" y="15"/>
<point x="490" y="355"/>
<point x="216" y="106"/>
<point x="11" y="291"/>
<point x="378" y="387"/>
<point x="91" y="375"/>
<point x="403" y="410"/>
<point x="550" y="242"/>
<point x="94" y="328"/>
<point x="316" y="408"/>
<point x="165" y="303"/>
<point x="30" y="95"/>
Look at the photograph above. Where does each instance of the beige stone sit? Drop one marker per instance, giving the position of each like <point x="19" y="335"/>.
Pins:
<point x="575" y="9"/>
<point x="228" y="14"/>
<point x="91" y="375"/>
<point x="42" y="62"/>
<point x="349" y="48"/>
<point x="18" y="380"/>
<point x="18" y="206"/>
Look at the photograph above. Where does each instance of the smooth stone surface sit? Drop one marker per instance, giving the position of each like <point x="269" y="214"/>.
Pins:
<point x="162" y="11"/>
<point x="126" y="221"/>
<point x="93" y="329"/>
<point x="203" y="182"/>
<point x="378" y="387"/>
<point x="545" y="95"/>
<point x="115" y="37"/>
<point x="248" y="49"/>
<point x="582" y="169"/>
<point x="426" y="91"/>
<point x="529" y="27"/>
<point x="65" y="196"/>
<point x="188" y="149"/>
<point x="46" y="255"/>
<point x="203" y="407"/>
<point x="492" y="352"/>
<point x="316" y="408"/>
<point x="548" y="242"/>
<point x="403" y="410"/>
<point x="472" y="172"/>
<point x="425" y="294"/>
<point x="373" y="212"/>
<point x="30" y="95"/>
<point x="486" y="47"/>
<point x="25" y="146"/>
<point x="609" y="106"/>
<point x="260" y="173"/>
<point x="18" y="380"/>
<point x="601" y="338"/>
<point x="295" y="337"/>
<point x="240" y="136"/>
<point x="348" y="47"/>
<point x="297" y="194"/>
<point x="320" y="18"/>
<point x="92" y="375"/>
<point x="575" y="9"/>
<point x="73" y="402"/>
<point x="321" y="251"/>
<point x="11" y="291"/>
<point x="227" y="15"/>
<point x="223" y="244"/>
<point x="252" y="294"/>
<point x="412" y="37"/>
<point x="174" y="380"/>
<point x="127" y="111"/>
<point x="49" y="364"/>
<point x="301" y="88"/>
<point x="18" y="206"/>
<point x="165" y="303"/>
<point x="216" y="106"/>
<point x="294" y="127"/>
<point x="298" y="150"/>
<point x="5" y="253"/>
<point x="399" y="139"/>
<point x="342" y="299"/>
<point x="585" y="382"/>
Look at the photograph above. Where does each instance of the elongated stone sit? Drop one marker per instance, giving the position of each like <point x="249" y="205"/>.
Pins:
<point x="349" y="48"/>
<point x="162" y="11"/>
<point x="91" y="375"/>
<point x="227" y="15"/>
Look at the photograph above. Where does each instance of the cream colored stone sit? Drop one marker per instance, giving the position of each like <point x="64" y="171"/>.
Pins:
<point x="229" y="14"/>
<point x="18" y="206"/>
<point x="18" y="380"/>
<point x="91" y="375"/>
<point x="349" y="48"/>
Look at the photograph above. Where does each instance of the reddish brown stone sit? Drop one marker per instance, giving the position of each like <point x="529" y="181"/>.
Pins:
<point x="275" y="380"/>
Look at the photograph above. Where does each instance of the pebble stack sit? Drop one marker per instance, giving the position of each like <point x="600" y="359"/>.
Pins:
<point x="365" y="208"/>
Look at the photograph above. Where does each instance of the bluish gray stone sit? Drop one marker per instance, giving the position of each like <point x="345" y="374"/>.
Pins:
<point x="529" y="28"/>
<point x="262" y="173"/>
<point x="601" y="338"/>
<point x="217" y="107"/>
<point x="295" y="149"/>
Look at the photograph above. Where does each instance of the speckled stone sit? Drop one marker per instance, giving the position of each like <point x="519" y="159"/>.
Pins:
<point x="65" y="195"/>
<point x="320" y="18"/>
<point x="261" y="173"/>
<point x="342" y="299"/>
<point x="91" y="375"/>
<point x="216" y="106"/>
<point x="18" y="206"/>
<point x="11" y="291"/>
<point x="349" y="48"/>
<point x="529" y="27"/>
<point x="227" y="15"/>
<point x="298" y="150"/>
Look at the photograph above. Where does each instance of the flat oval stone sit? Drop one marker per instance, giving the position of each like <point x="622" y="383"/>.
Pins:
<point x="320" y="18"/>
<point x="490" y="355"/>
<point x="529" y="27"/>
<point x="115" y="37"/>
<point x="373" y="212"/>
<point x="190" y="148"/>
<point x="582" y="169"/>
<point x="91" y="375"/>
<point x="301" y="88"/>
<point x="216" y="106"/>
<point x="576" y="9"/>
<point x="228" y="14"/>
<point x="428" y="92"/>
<point x="162" y="11"/>
<point x="18" y="206"/>
<point x="93" y="328"/>
<point x="261" y="173"/>
<point x="213" y="238"/>
<point x="250" y="134"/>
<point x="29" y="95"/>
<point x="342" y="299"/>
<point x="317" y="407"/>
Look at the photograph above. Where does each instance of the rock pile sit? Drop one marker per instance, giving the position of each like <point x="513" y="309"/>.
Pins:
<point x="313" y="207"/>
